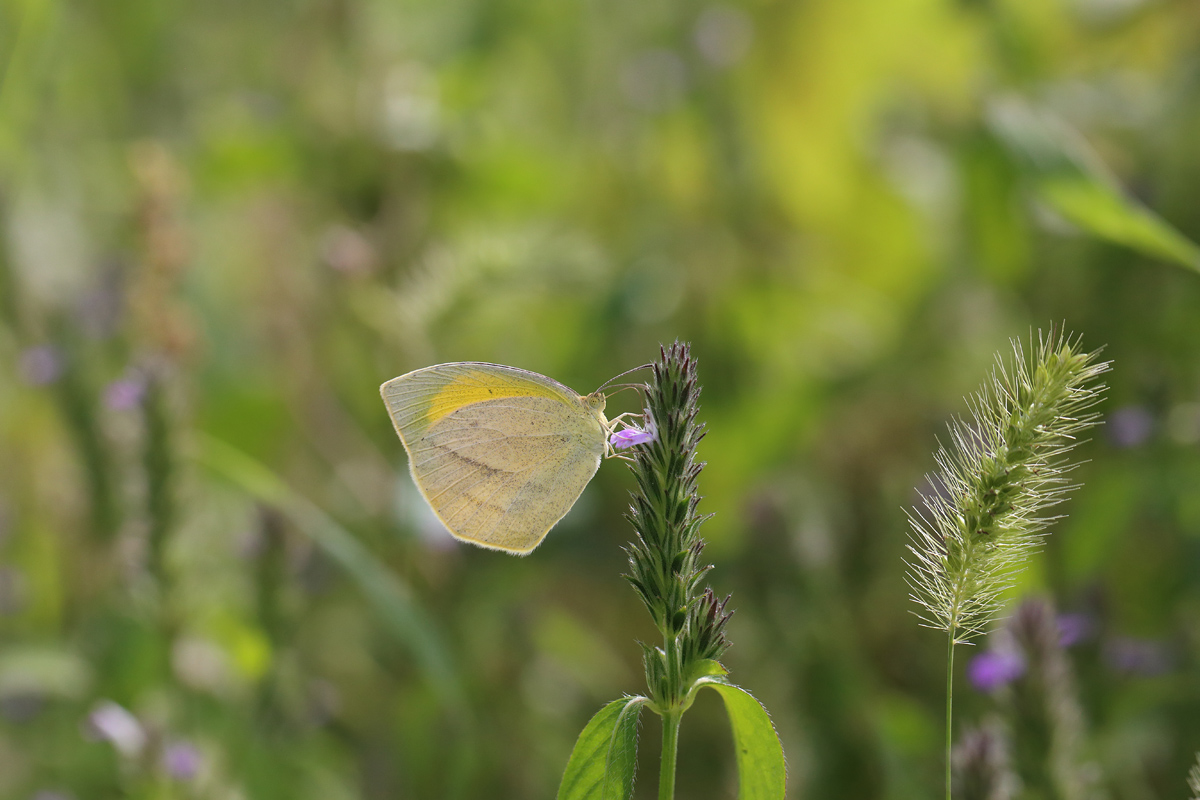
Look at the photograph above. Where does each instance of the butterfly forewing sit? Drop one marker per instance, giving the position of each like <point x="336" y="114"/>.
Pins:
<point x="500" y="454"/>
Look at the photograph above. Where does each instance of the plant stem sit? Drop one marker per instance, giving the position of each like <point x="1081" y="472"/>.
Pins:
<point x="671" y="717"/>
<point x="949" y="705"/>
<point x="670" y="745"/>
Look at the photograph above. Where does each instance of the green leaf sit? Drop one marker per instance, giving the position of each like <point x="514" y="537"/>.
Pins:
<point x="762" y="773"/>
<point x="1068" y="176"/>
<point x="704" y="668"/>
<point x="603" y="762"/>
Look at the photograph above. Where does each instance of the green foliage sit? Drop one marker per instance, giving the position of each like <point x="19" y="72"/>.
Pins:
<point x="665" y="571"/>
<point x="1070" y="178"/>
<point x="762" y="772"/>
<point x="604" y="760"/>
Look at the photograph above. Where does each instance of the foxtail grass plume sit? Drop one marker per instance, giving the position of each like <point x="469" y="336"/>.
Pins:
<point x="1003" y="470"/>
<point x="1194" y="779"/>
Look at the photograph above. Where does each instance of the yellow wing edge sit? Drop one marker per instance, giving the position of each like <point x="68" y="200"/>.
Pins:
<point x="422" y="397"/>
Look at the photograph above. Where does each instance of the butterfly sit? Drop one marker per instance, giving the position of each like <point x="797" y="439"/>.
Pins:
<point x="499" y="453"/>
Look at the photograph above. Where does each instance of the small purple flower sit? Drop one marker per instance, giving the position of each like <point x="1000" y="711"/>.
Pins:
<point x="181" y="760"/>
<point x="125" y="393"/>
<point x="41" y="365"/>
<point x="992" y="669"/>
<point x="1075" y="628"/>
<point x="1141" y="657"/>
<point x="1130" y="426"/>
<point x="113" y="724"/>
<point x="629" y="437"/>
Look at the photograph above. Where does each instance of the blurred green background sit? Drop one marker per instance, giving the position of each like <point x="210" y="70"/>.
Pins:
<point x="223" y="225"/>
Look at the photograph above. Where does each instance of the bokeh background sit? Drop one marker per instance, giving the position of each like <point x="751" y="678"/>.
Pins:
<point x="224" y="224"/>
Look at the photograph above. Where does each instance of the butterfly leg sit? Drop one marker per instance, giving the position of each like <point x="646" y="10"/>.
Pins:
<point x="612" y="423"/>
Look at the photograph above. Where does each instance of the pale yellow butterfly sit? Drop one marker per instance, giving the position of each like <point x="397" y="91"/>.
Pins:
<point x="501" y="454"/>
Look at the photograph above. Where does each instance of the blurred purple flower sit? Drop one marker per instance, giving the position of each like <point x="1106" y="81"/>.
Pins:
<point x="113" y="724"/>
<point x="629" y="437"/>
<point x="13" y="590"/>
<point x="41" y="365"/>
<point x="51" y="794"/>
<point x="992" y="669"/>
<point x="125" y="393"/>
<point x="1141" y="657"/>
<point x="1130" y="426"/>
<point x="181" y="760"/>
<point x="1075" y="628"/>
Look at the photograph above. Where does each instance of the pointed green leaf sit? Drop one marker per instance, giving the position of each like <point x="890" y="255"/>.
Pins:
<point x="1069" y="177"/>
<point x="762" y="773"/>
<point x="1105" y="212"/>
<point x="603" y="762"/>
<point x="705" y="668"/>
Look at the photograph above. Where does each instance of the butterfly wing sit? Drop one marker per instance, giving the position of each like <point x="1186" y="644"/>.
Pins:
<point x="499" y="453"/>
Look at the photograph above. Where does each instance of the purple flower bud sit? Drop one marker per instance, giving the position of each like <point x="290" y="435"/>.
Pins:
<point x="629" y="437"/>
<point x="1130" y="426"/>
<point x="124" y="394"/>
<point x="41" y="365"/>
<point x="181" y="760"/>
<point x="992" y="669"/>
<point x="113" y="724"/>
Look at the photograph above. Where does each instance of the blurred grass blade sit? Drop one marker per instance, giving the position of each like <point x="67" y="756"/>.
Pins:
<point x="1069" y="177"/>
<point x="762" y="772"/>
<point x="603" y="762"/>
<point x="387" y="594"/>
<point x="17" y="96"/>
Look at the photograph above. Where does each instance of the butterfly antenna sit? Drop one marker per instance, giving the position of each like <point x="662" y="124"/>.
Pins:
<point x="623" y="374"/>
<point x="623" y="387"/>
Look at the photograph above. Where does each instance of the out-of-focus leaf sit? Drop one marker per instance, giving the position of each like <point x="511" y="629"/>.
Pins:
<point x="390" y="597"/>
<point x="36" y="19"/>
<point x="603" y="762"/>
<point x="387" y="593"/>
<point x="762" y="772"/>
<point x="1069" y="178"/>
